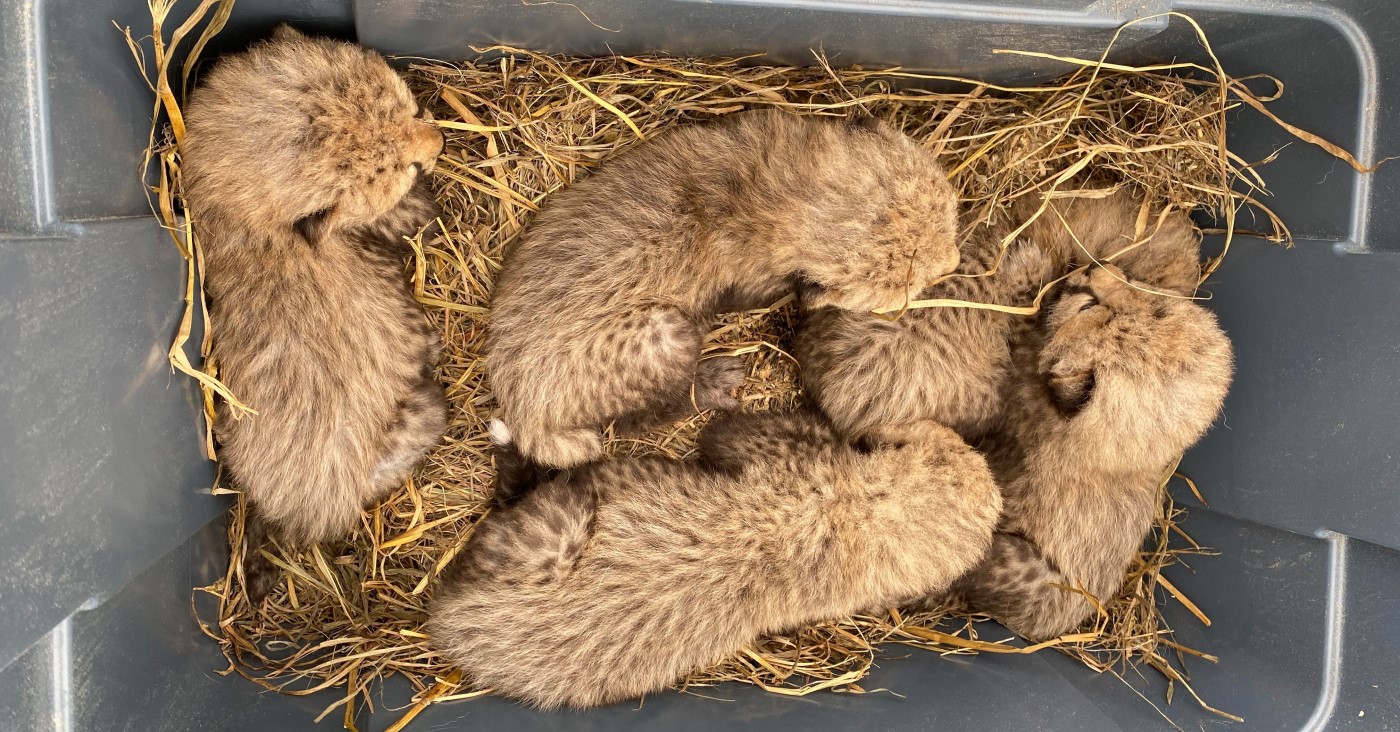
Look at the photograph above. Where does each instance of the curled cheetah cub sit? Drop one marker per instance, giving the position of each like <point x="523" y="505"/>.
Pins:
<point x="615" y="579"/>
<point x="951" y="365"/>
<point x="301" y="165"/>
<point x="1111" y="387"/>
<point x="599" y="311"/>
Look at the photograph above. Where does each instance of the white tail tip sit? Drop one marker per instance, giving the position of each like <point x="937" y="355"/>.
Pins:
<point x="500" y="433"/>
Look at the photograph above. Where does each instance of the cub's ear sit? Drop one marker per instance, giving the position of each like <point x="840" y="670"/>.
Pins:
<point x="284" y="32"/>
<point x="1070" y="391"/>
<point x="313" y="226"/>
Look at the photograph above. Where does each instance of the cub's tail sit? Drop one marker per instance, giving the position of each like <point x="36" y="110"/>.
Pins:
<point x="260" y="575"/>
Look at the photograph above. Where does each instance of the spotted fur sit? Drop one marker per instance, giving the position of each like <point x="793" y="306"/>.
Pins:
<point x="301" y="165"/>
<point x="1109" y="388"/>
<point x="616" y="578"/>
<point x="599" y="311"/>
<point x="952" y="365"/>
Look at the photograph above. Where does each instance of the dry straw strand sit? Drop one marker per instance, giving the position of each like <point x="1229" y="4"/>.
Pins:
<point x="162" y="154"/>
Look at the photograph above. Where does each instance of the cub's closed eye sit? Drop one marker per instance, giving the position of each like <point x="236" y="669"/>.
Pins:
<point x="1091" y="302"/>
<point x="414" y="169"/>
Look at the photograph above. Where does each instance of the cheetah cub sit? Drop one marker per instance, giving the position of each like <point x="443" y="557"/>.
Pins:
<point x="952" y="365"/>
<point x="599" y="311"/>
<point x="302" y="164"/>
<point x="1110" y="388"/>
<point x="617" y="578"/>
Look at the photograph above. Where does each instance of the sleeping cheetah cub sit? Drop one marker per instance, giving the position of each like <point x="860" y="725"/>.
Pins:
<point x="301" y="165"/>
<point x="951" y="365"/>
<point x="1110" y="388"/>
<point x="615" y="579"/>
<point x="599" y="311"/>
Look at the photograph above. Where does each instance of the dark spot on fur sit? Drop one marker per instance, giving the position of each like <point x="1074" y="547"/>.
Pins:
<point x="725" y="464"/>
<point x="397" y="422"/>
<point x="1019" y="540"/>
<point x="313" y="226"/>
<point x="731" y="182"/>
<point x="1159" y="310"/>
<point x="866" y="123"/>
<point x="694" y="201"/>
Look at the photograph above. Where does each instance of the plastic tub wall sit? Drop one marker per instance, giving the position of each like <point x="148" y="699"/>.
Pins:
<point x="106" y="521"/>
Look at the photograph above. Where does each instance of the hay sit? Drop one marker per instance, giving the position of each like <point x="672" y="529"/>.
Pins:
<point x="520" y="126"/>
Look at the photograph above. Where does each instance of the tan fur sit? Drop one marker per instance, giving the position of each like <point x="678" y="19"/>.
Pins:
<point x="599" y="311"/>
<point x="300" y="164"/>
<point x="951" y="365"/>
<point x="614" y="581"/>
<point x="1108" y="389"/>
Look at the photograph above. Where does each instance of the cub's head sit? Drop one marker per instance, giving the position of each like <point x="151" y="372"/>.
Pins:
<point x="306" y="135"/>
<point x="1144" y="372"/>
<point x="907" y="235"/>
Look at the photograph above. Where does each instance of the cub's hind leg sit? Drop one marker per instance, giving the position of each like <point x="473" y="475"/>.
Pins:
<point x="641" y="369"/>
<point x="663" y="346"/>
<point x="635" y="367"/>
<point x="1019" y="586"/>
<point x="711" y="388"/>
<point x="418" y="423"/>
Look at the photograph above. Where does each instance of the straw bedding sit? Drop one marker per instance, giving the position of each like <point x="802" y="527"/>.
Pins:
<point x="520" y="126"/>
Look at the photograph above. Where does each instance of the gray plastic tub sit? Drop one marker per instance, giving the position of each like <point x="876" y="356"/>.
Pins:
<point x="106" y="521"/>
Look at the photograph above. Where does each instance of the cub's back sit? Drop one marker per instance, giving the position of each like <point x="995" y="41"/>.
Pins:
<point x="615" y="581"/>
